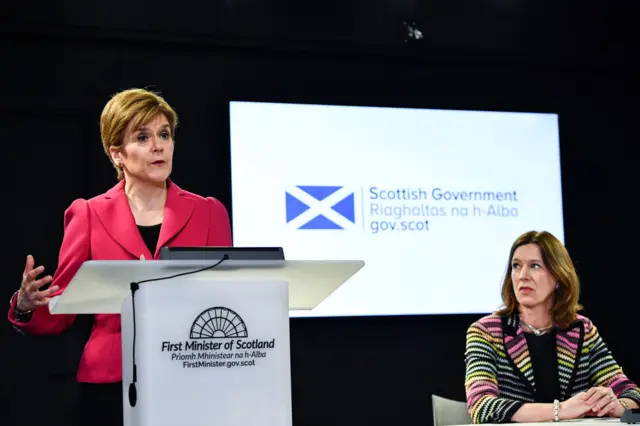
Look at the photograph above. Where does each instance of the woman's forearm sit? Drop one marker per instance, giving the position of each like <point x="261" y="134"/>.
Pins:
<point x="630" y="402"/>
<point x="533" y="413"/>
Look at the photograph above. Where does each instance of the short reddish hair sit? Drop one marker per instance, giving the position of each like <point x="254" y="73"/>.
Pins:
<point x="140" y="105"/>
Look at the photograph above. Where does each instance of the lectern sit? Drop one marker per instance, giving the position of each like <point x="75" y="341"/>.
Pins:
<point x="209" y="347"/>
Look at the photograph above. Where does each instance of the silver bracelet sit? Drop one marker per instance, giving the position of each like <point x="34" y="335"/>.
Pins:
<point x="556" y="410"/>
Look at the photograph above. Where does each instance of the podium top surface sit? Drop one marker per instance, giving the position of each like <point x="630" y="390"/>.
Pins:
<point x="100" y="286"/>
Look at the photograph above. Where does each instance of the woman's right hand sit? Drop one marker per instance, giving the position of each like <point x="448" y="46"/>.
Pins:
<point x="30" y="297"/>
<point x="574" y="408"/>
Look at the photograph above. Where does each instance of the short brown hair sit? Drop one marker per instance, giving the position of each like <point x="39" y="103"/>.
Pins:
<point x="140" y="105"/>
<point x="557" y="260"/>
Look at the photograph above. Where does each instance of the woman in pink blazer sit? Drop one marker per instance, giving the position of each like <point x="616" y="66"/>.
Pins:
<point x="133" y="220"/>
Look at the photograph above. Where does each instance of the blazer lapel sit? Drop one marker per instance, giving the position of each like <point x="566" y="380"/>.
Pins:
<point x="515" y="343"/>
<point x="569" y="345"/>
<point x="115" y="214"/>
<point x="177" y="212"/>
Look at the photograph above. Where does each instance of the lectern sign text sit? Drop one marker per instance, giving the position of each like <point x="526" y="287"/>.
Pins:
<point x="218" y="338"/>
<point x="208" y="352"/>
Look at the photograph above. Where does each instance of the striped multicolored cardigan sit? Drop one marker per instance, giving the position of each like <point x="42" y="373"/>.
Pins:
<point x="499" y="375"/>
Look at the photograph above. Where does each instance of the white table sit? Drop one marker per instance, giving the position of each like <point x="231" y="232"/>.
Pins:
<point x="577" y="422"/>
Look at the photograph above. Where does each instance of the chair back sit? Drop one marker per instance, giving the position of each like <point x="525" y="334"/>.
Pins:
<point x="447" y="412"/>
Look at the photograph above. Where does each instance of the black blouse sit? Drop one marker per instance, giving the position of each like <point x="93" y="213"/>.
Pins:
<point x="150" y="235"/>
<point x="544" y="360"/>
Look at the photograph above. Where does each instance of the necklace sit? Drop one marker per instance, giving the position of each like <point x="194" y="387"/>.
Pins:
<point x="537" y="331"/>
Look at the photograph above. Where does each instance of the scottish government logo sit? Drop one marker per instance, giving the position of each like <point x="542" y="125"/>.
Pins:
<point x="218" y="338"/>
<point x="392" y="209"/>
<point x="320" y="207"/>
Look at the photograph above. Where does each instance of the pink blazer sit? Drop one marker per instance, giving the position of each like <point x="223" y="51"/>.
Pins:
<point x="103" y="228"/>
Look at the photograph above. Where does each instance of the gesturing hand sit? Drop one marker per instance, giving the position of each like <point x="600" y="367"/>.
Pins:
<point x="603" y="402"/>
<point x="30" y="296"/>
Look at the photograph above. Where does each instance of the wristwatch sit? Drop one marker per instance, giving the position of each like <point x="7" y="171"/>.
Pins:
<point x="624" y="404"/>
<point x="20" y="316"/>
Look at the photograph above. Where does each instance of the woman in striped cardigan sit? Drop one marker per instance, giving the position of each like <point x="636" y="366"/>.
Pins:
<point x="537" y="359"/>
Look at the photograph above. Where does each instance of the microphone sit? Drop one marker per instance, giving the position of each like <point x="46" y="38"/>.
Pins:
<point x="135" y="286"/>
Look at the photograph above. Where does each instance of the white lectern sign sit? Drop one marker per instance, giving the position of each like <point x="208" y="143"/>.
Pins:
<point x="209" y="353"/>
<point x="209" y="348"/>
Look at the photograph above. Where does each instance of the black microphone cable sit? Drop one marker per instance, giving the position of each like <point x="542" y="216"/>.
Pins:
<point x="135" y="286"/>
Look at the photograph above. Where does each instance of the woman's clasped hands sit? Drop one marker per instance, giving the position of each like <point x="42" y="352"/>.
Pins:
<point x="597" y="401"/>
<point x="603" y="402"/>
